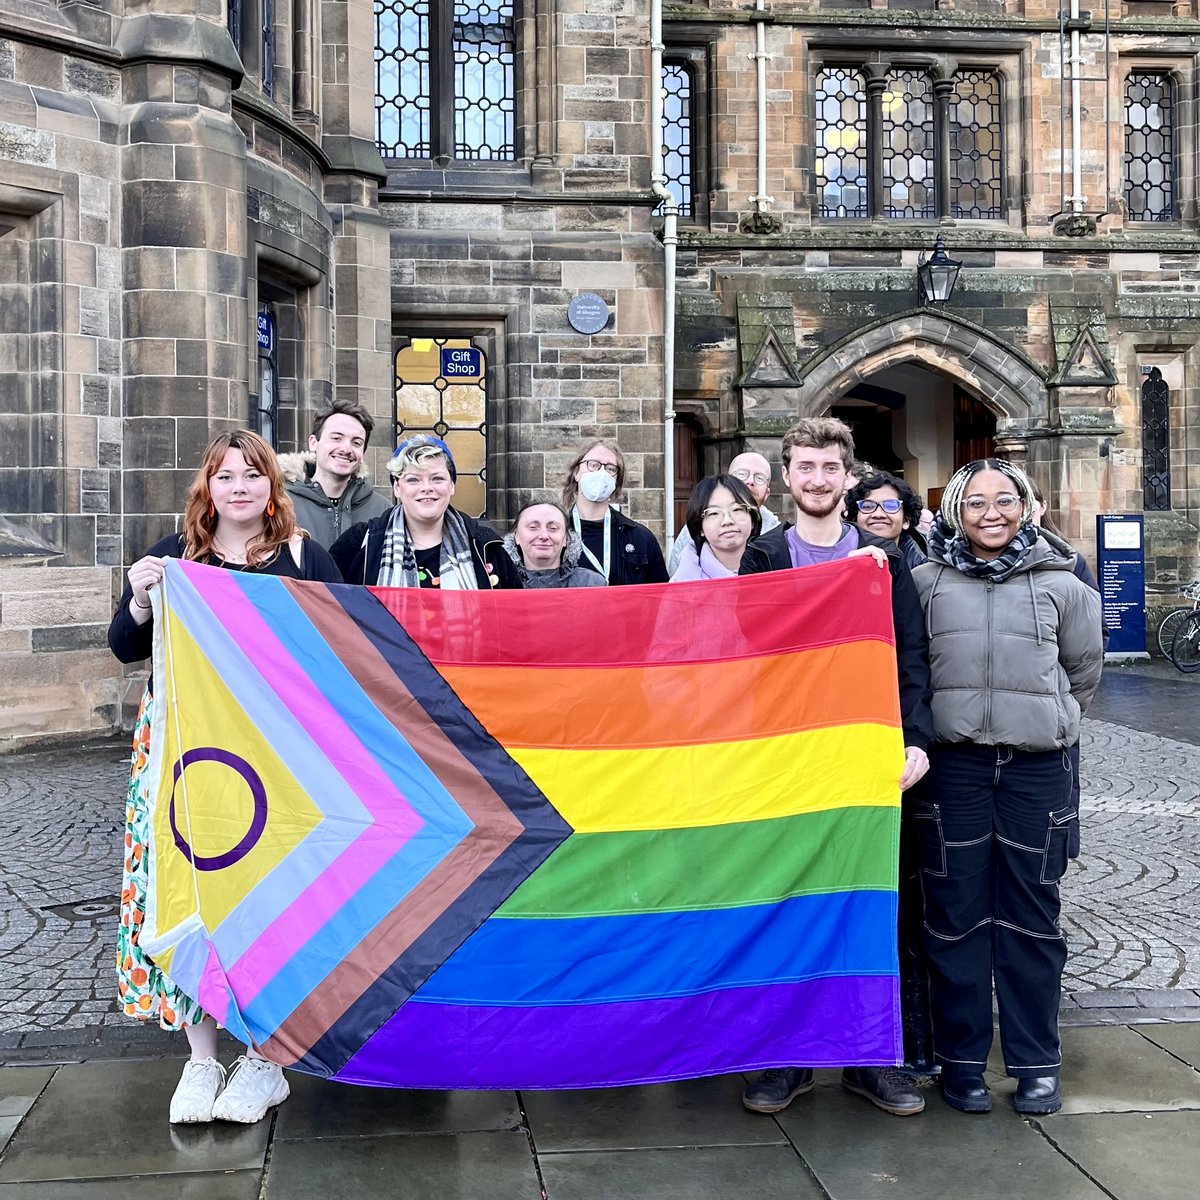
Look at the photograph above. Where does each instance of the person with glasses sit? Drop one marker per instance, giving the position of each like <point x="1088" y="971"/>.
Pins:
<point x="755" y="472"/>
<point x="818" y="456"/>
<point x="613" y="544"/>
<point x="1015" y="658"/>
<point x="721" y="519"/>
<point x="884" y="505"/>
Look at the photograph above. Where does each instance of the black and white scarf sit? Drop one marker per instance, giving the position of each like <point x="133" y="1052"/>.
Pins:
<point x="953" y="549"/>
<point x="456" y="569"/>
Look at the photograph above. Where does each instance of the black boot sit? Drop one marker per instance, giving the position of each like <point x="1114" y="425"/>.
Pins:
<point x="967" y="1093"/>
<point x="1039" y="1095"/>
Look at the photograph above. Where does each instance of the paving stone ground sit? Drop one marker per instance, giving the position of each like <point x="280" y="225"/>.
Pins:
<point x="1131" y="902"/>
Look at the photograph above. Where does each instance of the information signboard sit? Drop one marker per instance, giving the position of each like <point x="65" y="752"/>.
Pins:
<point x="1121" y="562"/>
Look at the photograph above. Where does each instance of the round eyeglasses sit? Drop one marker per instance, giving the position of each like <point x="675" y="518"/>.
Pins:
<point x="752" y="477"/>
<point x="594" y="464"/>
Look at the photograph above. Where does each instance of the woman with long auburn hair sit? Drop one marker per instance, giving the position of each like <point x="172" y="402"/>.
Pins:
<point x="238" y="517"/>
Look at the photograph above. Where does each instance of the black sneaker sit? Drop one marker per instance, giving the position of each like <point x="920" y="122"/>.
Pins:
<point x="776" y="1089"/>
<point x="886" y="1088"/>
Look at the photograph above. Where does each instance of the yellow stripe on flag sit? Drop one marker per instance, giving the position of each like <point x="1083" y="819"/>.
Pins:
<point x="678" y="787"/>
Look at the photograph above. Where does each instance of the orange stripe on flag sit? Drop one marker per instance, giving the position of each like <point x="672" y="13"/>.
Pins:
<point x="683" y="703"/>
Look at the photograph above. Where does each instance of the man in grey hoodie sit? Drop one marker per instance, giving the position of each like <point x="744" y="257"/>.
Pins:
<point x="329" y="485"/>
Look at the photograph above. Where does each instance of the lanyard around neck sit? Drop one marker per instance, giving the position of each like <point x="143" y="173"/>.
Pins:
<point x="602" y="568"/>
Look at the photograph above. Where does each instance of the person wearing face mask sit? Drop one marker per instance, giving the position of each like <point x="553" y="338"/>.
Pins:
<point x="884" y="505"/>
<point x="613" y="544"/>
<point x="547" y="550"/>
<point x="755" y="472"/>
<point x="423" y="541"/>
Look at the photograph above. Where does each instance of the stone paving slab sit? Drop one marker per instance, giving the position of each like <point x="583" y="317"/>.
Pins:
<point x="1134" y="1156"/>
<point x="116" y="1115"/>
<point x="703" y="1173"/>
<point x="856" y="1151"/>
<point x="1113" y="1070"/>
<point x="468" y="1166"/>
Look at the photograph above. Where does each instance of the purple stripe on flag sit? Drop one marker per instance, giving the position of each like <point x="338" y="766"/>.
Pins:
<point x="833" y="1022"/>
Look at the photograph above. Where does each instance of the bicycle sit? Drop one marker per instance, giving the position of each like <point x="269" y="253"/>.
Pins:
<point x="1176" y="617"/>
<point x="1185" y="648"/>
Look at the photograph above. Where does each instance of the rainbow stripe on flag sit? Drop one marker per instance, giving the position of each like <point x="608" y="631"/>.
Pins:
<point x="686" y="851"/>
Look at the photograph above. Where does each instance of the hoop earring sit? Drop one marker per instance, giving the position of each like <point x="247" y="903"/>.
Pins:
<point x="270" y="508"/>
<point x="212" y="510"/>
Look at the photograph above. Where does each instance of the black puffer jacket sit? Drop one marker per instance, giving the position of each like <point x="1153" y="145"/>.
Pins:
<point x="359" y="552"/>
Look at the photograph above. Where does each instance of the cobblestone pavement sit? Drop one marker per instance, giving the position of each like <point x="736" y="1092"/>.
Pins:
<point x="1131" y="902"/>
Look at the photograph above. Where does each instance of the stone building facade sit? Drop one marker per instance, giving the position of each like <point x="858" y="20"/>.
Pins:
<point x="223" y="212"/>
<point x="1070" y="342"/>
<point x="198" y="231"/>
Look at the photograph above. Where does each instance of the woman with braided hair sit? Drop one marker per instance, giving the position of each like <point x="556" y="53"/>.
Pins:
<point x="1015" y="657"/>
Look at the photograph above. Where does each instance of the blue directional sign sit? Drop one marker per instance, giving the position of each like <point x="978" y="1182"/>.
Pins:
<point x="1121" y="559"/>
<point x="462" y="362"/>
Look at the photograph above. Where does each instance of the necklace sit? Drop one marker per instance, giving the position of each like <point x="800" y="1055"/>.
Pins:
<point x="228" y="555"/>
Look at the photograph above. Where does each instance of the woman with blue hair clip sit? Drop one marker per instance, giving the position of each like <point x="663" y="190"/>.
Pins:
<point x="423" y="541"/>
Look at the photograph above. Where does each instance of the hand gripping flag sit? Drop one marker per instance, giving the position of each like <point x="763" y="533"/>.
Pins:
<point x="530" y="840"/>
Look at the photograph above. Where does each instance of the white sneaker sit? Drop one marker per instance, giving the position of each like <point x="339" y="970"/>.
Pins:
<point x="254" y="1086"/>
<point x="197" y="1089"/>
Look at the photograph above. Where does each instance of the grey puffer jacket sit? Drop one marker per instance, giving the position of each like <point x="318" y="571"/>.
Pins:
<point x="568" y="574"/>
<point x="1013" y="663"/>
<point x="324" y="518"/>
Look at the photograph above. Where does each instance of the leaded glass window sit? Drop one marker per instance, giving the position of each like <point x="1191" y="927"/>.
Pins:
<point x="976" y="154"/>
<point x="908" y="170"/>
<point x="1150" y="146"/>
<point x="268" y="47"/>
<point x="939" y="145"/>
<point x="841" y="143"/>
<point x="444" y="79"/>
<point x="1156" y="443"/>
<point x="678" y="121"/>
<point x="233" y="21"/>
<point x="441" y="388"/>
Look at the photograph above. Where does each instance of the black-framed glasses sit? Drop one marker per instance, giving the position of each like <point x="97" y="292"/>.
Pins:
<point x="594" y="464"/>
<point x="888" y="506"/>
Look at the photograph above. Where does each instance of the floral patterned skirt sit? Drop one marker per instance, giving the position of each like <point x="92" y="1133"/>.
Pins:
<point x="145" y="991"/>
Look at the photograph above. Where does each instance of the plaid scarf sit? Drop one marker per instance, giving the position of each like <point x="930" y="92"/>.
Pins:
<point x="954" y="550"/>
<point x="456" y="568"/>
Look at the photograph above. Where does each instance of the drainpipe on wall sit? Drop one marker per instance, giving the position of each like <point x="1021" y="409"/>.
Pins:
<point x="1076" y="198"/>
<point x="670" y="239"/>
<point x="761" y="58"/>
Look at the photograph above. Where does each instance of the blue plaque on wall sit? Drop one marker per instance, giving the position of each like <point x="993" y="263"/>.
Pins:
<point x="1121" y="563"/>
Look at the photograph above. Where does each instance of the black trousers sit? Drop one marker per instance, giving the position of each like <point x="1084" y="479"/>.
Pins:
<point x="993" y="834"/>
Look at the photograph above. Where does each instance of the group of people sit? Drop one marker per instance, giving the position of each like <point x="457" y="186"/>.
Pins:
<point x="998" y="646"/>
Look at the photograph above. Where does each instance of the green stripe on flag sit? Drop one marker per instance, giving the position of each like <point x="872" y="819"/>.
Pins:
<point x="714" y="866"/>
